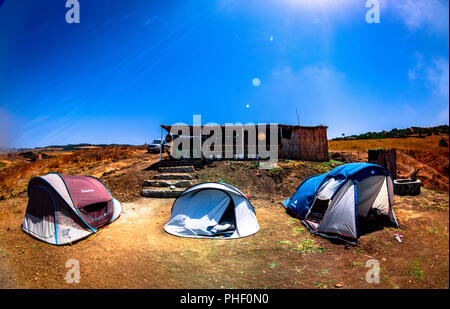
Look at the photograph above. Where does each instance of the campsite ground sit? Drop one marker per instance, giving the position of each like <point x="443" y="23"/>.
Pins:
<point x="135" y="252"/>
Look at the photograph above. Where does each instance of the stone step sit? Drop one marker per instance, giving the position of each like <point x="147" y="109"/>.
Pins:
<point x="161" y="192"/>
<point x="177" y="169"/>
<point x="172" y="177"/>
<point x="185" y="162"/>
<point x="162" y="183"/>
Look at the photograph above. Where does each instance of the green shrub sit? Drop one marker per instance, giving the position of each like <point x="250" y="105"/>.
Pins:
<point x="443" y="143"/>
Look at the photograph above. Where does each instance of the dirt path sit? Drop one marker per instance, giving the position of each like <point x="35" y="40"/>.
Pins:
<point x="6" y="276"/>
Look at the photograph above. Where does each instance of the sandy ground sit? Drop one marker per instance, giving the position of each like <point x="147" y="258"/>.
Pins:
<point x="136" y="252"/>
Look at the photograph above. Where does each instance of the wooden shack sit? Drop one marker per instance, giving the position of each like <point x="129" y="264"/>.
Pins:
<point x="307" y="143"/>
<point x="303" y="143"/>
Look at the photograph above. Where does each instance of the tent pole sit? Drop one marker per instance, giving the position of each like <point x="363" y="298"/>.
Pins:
<point x="242" y="143"/>
<point x="161" y="146"/>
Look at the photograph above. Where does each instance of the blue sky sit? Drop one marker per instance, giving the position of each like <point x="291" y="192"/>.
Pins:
<point x="129" y="66"/>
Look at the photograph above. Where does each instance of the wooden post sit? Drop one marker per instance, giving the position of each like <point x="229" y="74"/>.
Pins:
<point x="201" y="143"/>
<point x="386" y="158"/>
<point x="242" y="143"/>
<point x="161" y="147"/>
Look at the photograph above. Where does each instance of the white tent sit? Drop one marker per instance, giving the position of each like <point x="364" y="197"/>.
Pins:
<point x="212" y="210"/>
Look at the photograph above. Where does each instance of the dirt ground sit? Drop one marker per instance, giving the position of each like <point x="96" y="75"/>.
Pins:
<point x="135" y="252"/>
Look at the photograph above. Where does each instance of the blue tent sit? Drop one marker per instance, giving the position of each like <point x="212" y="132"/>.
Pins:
<point x="330" y="204"/>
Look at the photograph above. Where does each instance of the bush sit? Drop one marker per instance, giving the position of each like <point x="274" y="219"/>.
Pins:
<point x="443" y="143"/>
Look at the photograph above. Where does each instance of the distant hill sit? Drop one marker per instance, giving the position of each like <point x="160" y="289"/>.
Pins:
<point x="10" y="150"/>
<point x="398" y="133"/>
<point x="69" y="147"/>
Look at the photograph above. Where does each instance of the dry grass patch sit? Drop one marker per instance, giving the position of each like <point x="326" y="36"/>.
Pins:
<point x="15" y="176"/>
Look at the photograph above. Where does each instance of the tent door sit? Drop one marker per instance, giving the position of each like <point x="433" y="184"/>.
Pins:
<point x="318" y="209"/>
<point x="227" y="223"/>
